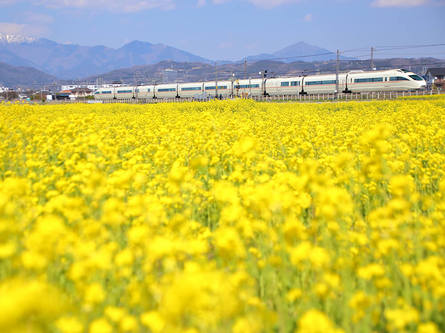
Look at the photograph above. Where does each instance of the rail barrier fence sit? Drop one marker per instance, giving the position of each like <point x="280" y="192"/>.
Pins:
<point x="364" y="96"/>
<point x="367" y="96"/>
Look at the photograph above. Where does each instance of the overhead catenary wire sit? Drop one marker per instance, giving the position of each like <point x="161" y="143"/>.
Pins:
<point x="376" y="49"/>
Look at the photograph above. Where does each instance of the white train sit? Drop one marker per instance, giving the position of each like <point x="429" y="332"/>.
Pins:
<point x="352" y="82"/>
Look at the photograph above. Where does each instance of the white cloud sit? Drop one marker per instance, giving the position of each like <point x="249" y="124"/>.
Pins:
<point x="112" y="5"/>
<point x="399" y="3"/>
<point x="30" y="30"/>
<point x="308" y="18"/>
<point x="259" y="3"/>
<point x="34" y="25"/>
<point x="271" y="3"/>
<point x="139" y="5"/>
<point x="11" y="28"/>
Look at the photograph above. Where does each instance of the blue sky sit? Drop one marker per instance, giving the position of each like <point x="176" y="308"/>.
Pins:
<point x="232" y="29"/>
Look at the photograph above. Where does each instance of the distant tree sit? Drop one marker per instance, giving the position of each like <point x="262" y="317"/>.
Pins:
<point x="9" y="95"/>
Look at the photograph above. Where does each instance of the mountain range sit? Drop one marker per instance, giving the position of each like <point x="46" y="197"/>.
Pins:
<point x="70" y="61"/>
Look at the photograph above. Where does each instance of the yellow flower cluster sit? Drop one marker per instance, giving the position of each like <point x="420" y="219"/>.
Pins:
<point x="227" y="216"/>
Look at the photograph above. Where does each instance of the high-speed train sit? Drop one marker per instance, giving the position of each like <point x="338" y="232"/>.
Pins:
<point x="351" y="82"/>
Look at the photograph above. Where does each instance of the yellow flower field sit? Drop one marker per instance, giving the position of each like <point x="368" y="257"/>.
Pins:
<point x="227" y="216"/>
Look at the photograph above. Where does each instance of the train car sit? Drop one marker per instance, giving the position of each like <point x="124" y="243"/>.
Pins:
<point x="187" y="90"/>
<point x="144" y="92"/>
<point x="104" y="93"/>
<point x="389" y="80"/>
<point x="247" y="88"/>
<point x="166" y="90"/>
<point x="321" y="84"/>
<point x="351" y="82"/>
<point x="283" y="86"/>
<point x="225" y="88"/>
<point x="124" y="92"/>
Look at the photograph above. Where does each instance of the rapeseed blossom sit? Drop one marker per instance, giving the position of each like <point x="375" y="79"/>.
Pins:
<point x="231" y="216"/>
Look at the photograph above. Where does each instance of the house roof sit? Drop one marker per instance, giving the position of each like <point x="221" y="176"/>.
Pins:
<point x="81" y="90"/>
<point x="436" y="71"/>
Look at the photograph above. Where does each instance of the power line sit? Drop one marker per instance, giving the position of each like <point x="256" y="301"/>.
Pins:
<point x="404" y="47"/>
<point x="376" y="49"/>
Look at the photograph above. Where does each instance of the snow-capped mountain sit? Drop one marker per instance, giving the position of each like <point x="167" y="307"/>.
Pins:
<point x="8" y="38"/>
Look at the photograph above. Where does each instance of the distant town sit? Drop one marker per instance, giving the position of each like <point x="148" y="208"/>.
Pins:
<point x="435" y="78"/>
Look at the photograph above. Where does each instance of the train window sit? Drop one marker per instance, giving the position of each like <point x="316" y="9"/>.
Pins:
<point x="214" y="87"/>
<point x="372" y="79"/>
<point x="295" y="83"/>
<point x="416" y="77"/>
<point x="285" y="84"/>
<point x="124" y="91"/>
<point x="246" y="86"/>
<point x="148" y="90"/>
<point x="166" y="89"/>
<point x="190" y="88"/>
<point x="398" y="78"/>
<point x="311" y="83"/>
<point x="106" y="92"/>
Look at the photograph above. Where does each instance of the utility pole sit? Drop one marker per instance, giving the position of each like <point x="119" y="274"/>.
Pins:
<point x="264" y="82"/>
<point x="337" y="69"/>
<point x="216" y="80"/>
<point x="245" y="68"/>
<point x="372" y="58"/>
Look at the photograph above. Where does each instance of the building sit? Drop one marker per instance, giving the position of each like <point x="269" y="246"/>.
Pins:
<point x="76" y="93"/>
<point x="436" y="76"/>
<point x="79" y="86"/>
<point x="81" y="92"/>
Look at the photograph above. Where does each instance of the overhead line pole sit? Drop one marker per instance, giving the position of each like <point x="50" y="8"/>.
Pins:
<point x="336" y="73"/>
<point x="216" y="80"/>
<point x="372" y="58"/>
